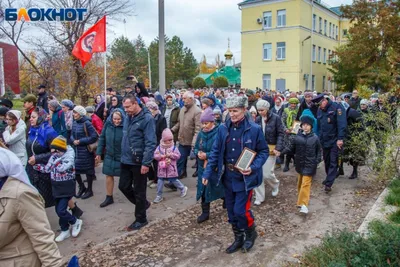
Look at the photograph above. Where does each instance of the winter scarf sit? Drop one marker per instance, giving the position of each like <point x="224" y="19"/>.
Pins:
<point x="291" y="115"/>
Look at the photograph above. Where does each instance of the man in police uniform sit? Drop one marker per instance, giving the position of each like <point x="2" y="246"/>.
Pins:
<point x="332" y="125"/>
<point x="233" y="136"/>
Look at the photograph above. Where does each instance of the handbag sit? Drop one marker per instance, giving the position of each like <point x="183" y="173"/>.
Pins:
<point x="91" y="147"/>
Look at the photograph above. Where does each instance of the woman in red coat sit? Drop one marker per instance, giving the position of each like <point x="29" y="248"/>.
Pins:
<point x="96" y="121"/>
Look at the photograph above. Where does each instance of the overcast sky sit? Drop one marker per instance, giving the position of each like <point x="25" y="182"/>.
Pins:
<point x="203" y="25"/>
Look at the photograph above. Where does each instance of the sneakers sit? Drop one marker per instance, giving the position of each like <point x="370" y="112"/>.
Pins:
<point x="158" y="199"/>
<point x="257" y="203"/>
<point x="153" y="185"/>
<point x="304" y="209"/>
<point x="76" y="228"/>
<point x="184" y="191"/>
<point x="64" y="235"/>
<point x="275" y="190"/>
<point x="136" y="225"/>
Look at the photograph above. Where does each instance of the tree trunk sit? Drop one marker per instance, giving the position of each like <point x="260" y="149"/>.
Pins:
<point x="80" y="78"/>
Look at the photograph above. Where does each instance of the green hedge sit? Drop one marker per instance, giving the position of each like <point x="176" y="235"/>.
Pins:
<point x="345" y="248"/>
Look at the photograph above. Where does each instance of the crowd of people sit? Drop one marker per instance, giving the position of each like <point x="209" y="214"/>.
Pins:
<point x="145" y="139"/>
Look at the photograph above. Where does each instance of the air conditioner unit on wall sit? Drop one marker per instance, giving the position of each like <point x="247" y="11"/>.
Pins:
<point x="259" y="20"/>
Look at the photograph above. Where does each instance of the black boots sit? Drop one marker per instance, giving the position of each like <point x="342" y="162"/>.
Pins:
<point x="109" y="200"/>
<point x="340" y="171"/>
<point x="251" y="235"/>
<point x="205" y="215"/>
<point x="287" y="162"/>
<point x="76" y="211"/>
<point x="194" y="174"/>
<point x="82" y="190"/>
<point x="239" y="240"/>
<point x="88" y="194"/>
<point x="354" y="175"/>
<point x="183" y="175"/>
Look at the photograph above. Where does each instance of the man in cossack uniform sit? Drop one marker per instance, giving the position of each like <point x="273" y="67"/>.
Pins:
<point x="237" y="133"/>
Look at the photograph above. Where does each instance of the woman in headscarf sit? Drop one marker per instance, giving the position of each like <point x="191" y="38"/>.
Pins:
<point x="288" y="118"/>
<point x="67" y="107"/>
<point x="161" y="124"/>
<point x="83" y="134"/>
<point x="99" y="101"/>
<point x="26" y="238"/>
<point x="57" y="118"/>
<point x="171" y="113"/>
<point x="116" y="103"/>
<point x="278" y="107"/>
<point x="14" y="136"/>
<point x="40" y="136"/>
<point x="110" y="141"/>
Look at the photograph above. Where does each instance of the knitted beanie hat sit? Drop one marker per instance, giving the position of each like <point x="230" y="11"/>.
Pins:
<point x="217" y="110"/>
<point x="68" y="103"/>
<point x="307" y="119"/>
<point x="59" y="143"/>
<point x="80" y="110"/>
<point x="167" y="135"/>
<point x="253" y="109"/>
<point x="262" y="104"/>
<point x="89" y="109"/>
<point x="152" y="105"/>
<point x="294" y="100"/>
<point x="207" y="115"/>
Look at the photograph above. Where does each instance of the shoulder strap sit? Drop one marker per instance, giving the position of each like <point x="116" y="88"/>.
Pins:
<point x="84" y="128"/>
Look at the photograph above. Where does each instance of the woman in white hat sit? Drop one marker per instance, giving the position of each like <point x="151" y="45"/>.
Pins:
<point x="14" y="136"/>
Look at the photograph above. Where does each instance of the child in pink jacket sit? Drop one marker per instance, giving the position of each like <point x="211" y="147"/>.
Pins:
<point x="167" y="155"/>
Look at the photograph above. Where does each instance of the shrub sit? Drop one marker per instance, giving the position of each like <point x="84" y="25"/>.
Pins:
<point x="9" y="93"/>
<point x="345" y="248"/>
<point x="221" y="82"/>
<point x="198" y="82"/>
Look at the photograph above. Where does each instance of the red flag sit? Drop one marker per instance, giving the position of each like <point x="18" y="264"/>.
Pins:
<point x="92" y="41"/>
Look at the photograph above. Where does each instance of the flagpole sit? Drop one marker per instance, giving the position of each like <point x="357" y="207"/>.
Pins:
<point x="105" y="79"/>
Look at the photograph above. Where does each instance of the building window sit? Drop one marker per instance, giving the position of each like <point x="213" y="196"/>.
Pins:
<point x="324" y="58"/>
<point x="281" y="18"/>
<point x="267" y="48"/>
<point x="267" y="20"/>
<point x="337" y="33"/>
<point x="307" y="83"/>
<point x="313" y="53"/>
<point x="319" y="54"/>
<point x="313" y="83"/>
<point x="330" y="29"/>
<point x="344" y="32"/>
<point x="325" y="25"/>
<point x="280" y="50"/>
<point x="267" y="81"/>
<point x="329" y="56"/>
<point x="333" y="31"/>
<point x="320" y="25"/>
<point x="314" y="22"/>
<point x="323" y="83"/>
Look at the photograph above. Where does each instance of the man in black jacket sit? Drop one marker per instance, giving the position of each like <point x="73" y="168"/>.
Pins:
<point x="307" y="103"/>
<point x="272" y="128"/>
<point x="42" y="98"/>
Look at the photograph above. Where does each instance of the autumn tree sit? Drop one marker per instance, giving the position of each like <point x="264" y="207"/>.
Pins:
<point x="372" y="54"/>
<point x="64" y="35"/>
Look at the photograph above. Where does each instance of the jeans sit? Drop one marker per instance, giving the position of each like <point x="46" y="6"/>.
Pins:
<point x="65" y="218"/>
<point x="182" y="162"/>
<point x="178" y="184"/>
<point x="133" y="185"/>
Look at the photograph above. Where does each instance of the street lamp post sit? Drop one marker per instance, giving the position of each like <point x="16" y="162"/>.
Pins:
<point x="161" y="47"/>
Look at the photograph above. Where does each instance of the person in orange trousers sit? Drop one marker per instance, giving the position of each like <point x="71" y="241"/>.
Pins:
<point x="307" y="150"/>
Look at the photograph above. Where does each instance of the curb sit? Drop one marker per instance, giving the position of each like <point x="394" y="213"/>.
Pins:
<point x="379" y="211"/>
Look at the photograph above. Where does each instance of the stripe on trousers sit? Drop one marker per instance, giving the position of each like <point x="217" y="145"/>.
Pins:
<point x="250" y="219"/>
